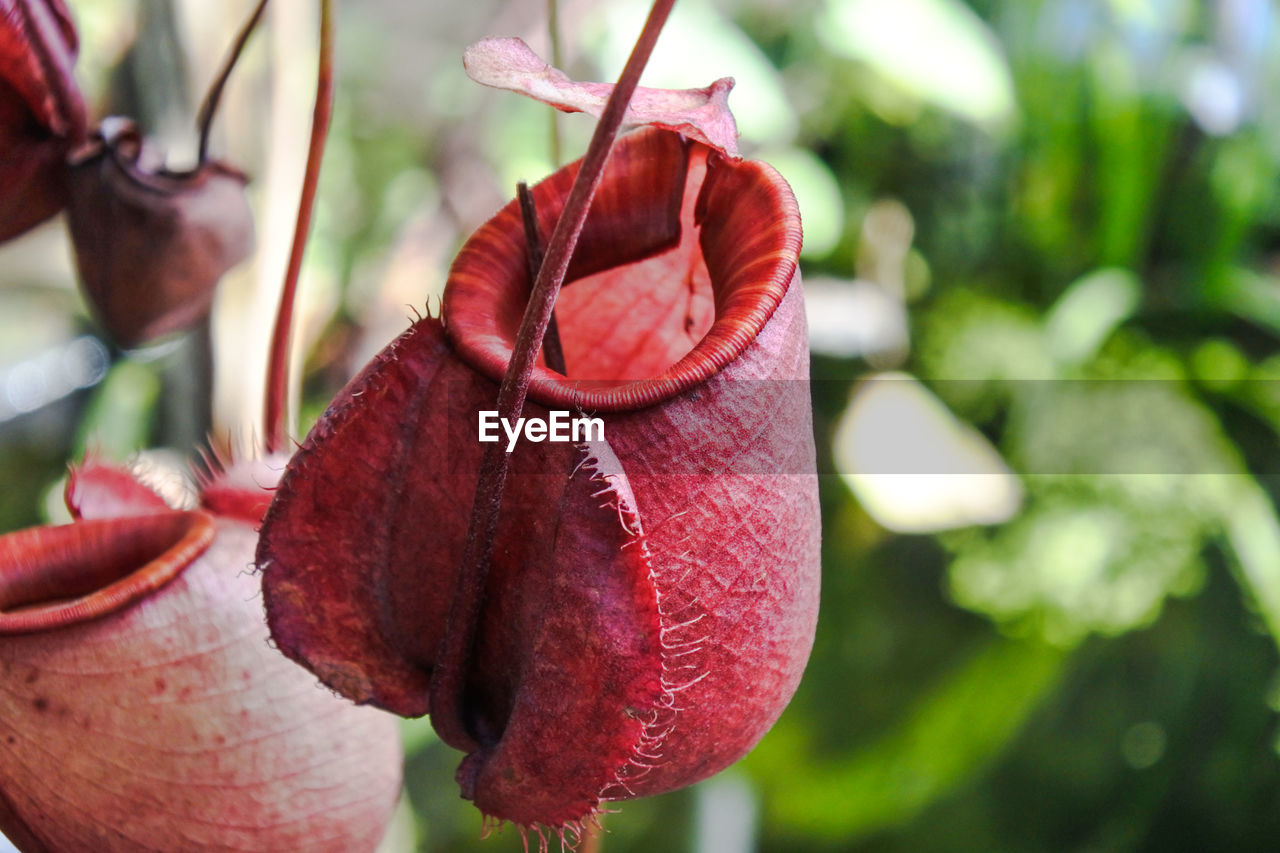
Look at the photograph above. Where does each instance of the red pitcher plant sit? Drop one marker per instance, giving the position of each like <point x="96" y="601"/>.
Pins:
<point x="142" y="705"/>
<point x="150" y="243"/>
<point x="621" y="613"/>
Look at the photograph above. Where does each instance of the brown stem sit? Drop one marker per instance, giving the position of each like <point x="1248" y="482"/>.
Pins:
<point x="448" y="679"/>
<point x="209" y="107"/>
<point x="278" y="363"/>
<point x="551" y="347"/>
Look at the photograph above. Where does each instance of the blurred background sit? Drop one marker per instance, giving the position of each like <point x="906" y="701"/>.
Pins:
<point x="1042" y="264"/>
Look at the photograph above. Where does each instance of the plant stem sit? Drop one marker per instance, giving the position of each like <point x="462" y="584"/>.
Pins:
<point x="593" y="837"/>
<point x="448" y="679"/>
<point x="209" y="107"/>
<point x="551" y="347"/>
<point x="277" y="391"/>
<point x="557" y="61"/>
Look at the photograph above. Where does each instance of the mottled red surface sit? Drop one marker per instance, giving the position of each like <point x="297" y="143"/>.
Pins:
<point x="651" y="599"/>
<point x="168" y="722"/>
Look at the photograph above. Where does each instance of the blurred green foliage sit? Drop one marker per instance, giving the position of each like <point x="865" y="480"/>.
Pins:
<point x="1102" y="307"/>
<point x="1093" y="281"/>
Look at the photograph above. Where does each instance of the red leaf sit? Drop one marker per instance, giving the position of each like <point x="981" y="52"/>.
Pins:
<point x="647" y="614"/>
<point x="701" y="114"/>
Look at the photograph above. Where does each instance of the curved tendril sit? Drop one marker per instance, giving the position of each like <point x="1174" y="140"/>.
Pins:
<point x="209" y="107"/>
<point x="277" y="391"/>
